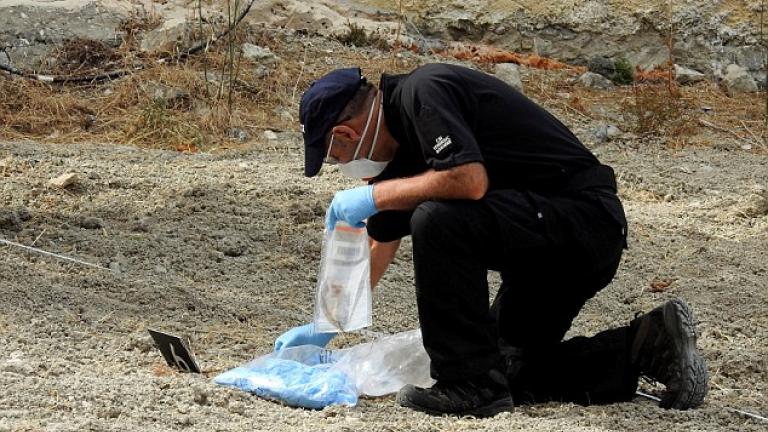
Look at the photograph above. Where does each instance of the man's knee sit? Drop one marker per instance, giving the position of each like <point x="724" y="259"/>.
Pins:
<point x="444" y="218"/>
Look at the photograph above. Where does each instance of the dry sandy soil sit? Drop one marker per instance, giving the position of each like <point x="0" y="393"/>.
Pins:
<point x="225" y="246"/>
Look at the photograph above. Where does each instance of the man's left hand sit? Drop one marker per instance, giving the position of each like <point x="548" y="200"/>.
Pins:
<point x="351" y="206"/>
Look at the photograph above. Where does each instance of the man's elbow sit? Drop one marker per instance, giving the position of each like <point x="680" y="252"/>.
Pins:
<point x="478" y="192"/>
<point x="476" y="181"/>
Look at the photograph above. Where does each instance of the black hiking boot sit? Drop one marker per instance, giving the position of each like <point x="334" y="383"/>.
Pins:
<point x="482" y="396"/>
<point x="664" y="350"/>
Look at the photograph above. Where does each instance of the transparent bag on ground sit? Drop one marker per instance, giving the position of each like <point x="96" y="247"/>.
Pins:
<point x="312" y="377"/>
<point x="343" y="292"/>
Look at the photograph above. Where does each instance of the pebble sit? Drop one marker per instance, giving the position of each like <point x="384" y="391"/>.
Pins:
<point x="605" y="132"/>
<point x="64" y="180"/>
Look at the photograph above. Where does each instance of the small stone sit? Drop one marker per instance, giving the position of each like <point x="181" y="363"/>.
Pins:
<point x="684" y="76"/>
<point x="510" y="74"/>
<point x="64" y="180"/>
<point x="238" y="134"/>
<point x="605" y="132"/>
<point x="269" y="135"/>
<point x="738" y="80"/>
<point x="613" y="131"/>
<point x="160" y="270"/>
<point x="596" y="81"/>
<point x="258" y="54"/>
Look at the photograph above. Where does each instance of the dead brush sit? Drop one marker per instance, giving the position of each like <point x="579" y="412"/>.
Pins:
<point x="357" y="36"/>
<point x="80" y="55"/>
<point x="656" y="109"/>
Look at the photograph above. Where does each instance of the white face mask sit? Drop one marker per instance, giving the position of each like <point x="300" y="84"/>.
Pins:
<point x="365" y="167"/>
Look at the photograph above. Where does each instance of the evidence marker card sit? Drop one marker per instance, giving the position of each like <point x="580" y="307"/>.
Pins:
<point x="176" y="351"/>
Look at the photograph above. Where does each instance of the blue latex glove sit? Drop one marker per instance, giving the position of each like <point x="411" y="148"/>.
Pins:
<point x="351" y="206"/>
<point x="303" y="335"/>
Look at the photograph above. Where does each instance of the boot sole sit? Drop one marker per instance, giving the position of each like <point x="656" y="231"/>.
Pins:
<point x="490" y="410"/>
<point x="679" y="323"/>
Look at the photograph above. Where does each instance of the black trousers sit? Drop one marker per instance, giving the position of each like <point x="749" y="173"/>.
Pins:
<point x="548" y="274"/>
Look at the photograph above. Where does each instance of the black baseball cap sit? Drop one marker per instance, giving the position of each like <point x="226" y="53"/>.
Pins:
<point x="320" y="107"/>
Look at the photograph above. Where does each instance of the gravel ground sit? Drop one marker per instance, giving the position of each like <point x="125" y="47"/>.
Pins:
<point x="225" y="246"/>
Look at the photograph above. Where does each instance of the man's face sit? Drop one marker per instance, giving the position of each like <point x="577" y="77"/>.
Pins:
<point x="345" y="137"/>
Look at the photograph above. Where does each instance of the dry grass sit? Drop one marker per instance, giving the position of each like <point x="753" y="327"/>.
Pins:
<point x="179" y="106"/>
<point x="175" y="105"/>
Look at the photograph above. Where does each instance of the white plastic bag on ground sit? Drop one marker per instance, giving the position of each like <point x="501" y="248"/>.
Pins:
<point x="385" y="365"/>
<point x="312" y="377"/>
<point x="343" y="293"/>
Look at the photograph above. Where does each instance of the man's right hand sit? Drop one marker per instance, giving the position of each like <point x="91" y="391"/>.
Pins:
<point x="303" y="335"/>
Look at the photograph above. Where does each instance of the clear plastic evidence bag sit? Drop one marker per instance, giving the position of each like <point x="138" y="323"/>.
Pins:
<point x="343" y="293"/>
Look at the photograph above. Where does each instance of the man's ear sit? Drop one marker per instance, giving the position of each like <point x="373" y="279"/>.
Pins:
<point x="345" y="134"/>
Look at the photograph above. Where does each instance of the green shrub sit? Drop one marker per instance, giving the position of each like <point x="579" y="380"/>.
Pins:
<point x="624" y="73"/>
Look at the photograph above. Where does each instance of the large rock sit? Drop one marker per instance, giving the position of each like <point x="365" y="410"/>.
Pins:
<point x="510" y="74"/>
<point x="738" y="80"/>
<point x="683" y="75"/>
<point x="174" y="35"/>
<point x="596" y="81"/>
